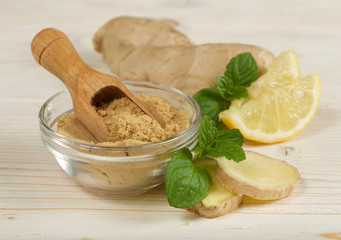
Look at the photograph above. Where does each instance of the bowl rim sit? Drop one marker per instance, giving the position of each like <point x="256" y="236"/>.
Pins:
<point x="81" y="144"/>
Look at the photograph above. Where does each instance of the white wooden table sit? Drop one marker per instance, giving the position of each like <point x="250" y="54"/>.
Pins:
<point x="39" y="201"/>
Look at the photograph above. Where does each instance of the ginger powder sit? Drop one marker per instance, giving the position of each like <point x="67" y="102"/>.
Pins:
<point x="128" y="124"/>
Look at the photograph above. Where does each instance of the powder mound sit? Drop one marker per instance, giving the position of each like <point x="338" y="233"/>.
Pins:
<point x="128" y="124"/>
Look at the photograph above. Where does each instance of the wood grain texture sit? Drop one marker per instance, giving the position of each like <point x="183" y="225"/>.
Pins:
<point x="39" y="201"/>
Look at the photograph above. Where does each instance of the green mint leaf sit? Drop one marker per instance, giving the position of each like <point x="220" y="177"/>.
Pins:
<point x="208" y="134"/>
<point x="225" y="87"/>
<point x="242" y="69"/>
<point x="219" y="124"/>
<point x="186" y="184"/>
<point x="213" y="143"/>
<point x="227" y="149"/>
<point x="239" y="92"/>
<point x="232" y="135"/>
<point x="211" y="104"/>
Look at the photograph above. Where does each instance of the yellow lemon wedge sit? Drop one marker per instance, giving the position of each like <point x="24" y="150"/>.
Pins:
<point x="280" y="103"/>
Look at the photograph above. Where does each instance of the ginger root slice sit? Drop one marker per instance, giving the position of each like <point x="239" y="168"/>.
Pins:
<point x="259" y="176"/>
<point x="151" y="50"/>
<point x="220" y="200"/>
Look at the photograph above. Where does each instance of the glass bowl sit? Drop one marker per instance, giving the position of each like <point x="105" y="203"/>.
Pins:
<point x="127" y="170"/>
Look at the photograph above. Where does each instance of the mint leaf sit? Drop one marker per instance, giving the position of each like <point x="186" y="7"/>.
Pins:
<point x="213" y="143"/>
<point x="227" y="89"/>
<point x="208" y="134"/>
<point x="242" y="69"/>
<point x="211" y="104"/>
<point x="186" y="184"/>
<point x="225" y="86"/>
<point x="239" y="92"/>
<point x="227" y="149"/>
<point x="232" y="135"/>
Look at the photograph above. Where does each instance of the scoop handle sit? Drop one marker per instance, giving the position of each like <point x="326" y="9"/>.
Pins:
<point x="53" y="50"/>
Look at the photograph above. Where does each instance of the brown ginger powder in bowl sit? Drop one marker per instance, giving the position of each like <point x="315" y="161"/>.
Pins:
<point x="128" y="126"/>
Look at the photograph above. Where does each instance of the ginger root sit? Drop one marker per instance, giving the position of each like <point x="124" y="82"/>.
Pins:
<point x="152" y="50"/>
<point x="258" y="176"/>
<point x="220" y="200"/>
<point x="256" y="179"/>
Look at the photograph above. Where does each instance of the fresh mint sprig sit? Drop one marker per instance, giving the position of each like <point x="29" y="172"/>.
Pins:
<point x="186" y="183"/>
<point x="240" y="72"/>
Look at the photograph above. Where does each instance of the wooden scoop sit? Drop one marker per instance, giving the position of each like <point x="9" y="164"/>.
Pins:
<point x="53" y="50"/>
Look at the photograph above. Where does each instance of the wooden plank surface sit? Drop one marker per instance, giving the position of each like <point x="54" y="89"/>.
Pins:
<point x="39" y="201"/>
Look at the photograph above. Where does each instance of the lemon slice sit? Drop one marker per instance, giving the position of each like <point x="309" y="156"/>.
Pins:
<point x="280" y="103"/>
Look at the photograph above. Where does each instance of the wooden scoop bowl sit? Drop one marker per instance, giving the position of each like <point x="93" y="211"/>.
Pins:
<point x="53" y="50"/>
